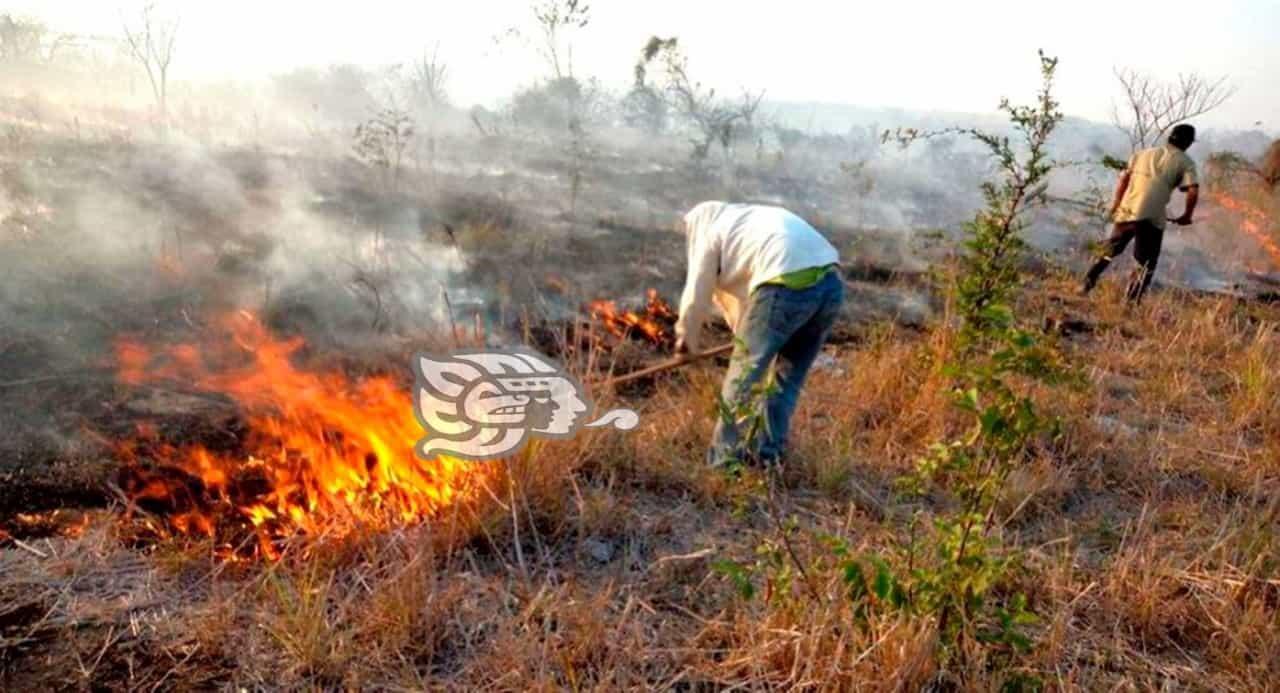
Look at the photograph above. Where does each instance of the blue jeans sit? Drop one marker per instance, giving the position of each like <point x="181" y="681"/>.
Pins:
<point x="781" y="335"/>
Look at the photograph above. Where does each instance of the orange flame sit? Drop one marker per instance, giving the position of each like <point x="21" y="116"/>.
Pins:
<point x="323" y="453"/>
<point x="653" y="323"/>
<point x="1253" y="222"/>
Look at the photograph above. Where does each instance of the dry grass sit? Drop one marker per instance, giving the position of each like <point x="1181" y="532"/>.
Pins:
<point x="1148" y="532"/>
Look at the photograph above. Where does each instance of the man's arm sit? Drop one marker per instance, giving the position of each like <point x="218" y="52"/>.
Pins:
<point x="1193" y="196"/>
<point x="700" y="282"/>
<point x="1121" y="188"/>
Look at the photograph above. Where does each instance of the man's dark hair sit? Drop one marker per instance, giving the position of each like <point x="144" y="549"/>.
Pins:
<point x="1182" y="135"/>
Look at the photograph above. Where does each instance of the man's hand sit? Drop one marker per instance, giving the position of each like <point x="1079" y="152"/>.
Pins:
<point x="682" y="347"/>
<point x="1193" y="196"/>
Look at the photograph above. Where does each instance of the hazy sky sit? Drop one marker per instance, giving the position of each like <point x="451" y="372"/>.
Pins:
<point x="919" y="55"/>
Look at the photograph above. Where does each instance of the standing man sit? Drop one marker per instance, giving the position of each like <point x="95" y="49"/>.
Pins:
<point x="1138" y="208"/>
<point x="777" y="281"/>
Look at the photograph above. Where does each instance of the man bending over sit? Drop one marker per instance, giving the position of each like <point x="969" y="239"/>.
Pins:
<point x="777" y="281"/>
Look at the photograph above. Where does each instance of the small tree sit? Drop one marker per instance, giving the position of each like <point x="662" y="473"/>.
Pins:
<point x="713" y="119"/>
<point x="28" y="41"/>
<point x="1151" y="107"/>
<point x="557" y="19"/>
<point x="151" y="44"/>
<point x="644" y="109"/>
<point x="380" y="142"/>
<point x="993" y="364"/>
<point x="20" y="39"/>
<point x="559" y="102"/>
<point x="429" y="80"/>
<point x="862" y="150"/>
<point x="428" y="92"/>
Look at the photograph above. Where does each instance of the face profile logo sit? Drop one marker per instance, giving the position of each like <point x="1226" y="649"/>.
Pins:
<point x="486" y="404"/>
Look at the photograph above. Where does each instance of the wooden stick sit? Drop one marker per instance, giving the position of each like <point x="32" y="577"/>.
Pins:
<point x="668" y="365"/>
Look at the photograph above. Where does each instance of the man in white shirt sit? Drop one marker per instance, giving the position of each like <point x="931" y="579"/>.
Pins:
<point x="777" y="281"/>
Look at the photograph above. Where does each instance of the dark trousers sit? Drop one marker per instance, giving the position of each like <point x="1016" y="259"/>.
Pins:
<point x="1147" y="239"/>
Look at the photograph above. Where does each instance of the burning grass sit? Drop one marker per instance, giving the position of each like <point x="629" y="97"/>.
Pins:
<point x="654" y="323"/>
<point x="1255" y="222"/>
<point x="321" y="453"/>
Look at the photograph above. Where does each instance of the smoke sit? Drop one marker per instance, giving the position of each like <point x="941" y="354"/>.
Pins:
<point x="252" y="196"/>
<point x="100" y="239"/>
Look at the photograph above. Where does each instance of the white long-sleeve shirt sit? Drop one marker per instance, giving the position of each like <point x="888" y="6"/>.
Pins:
<point x="735" y="248"/>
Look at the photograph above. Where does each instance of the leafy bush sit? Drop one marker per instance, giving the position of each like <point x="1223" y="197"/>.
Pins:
<point x="994" y="364"/>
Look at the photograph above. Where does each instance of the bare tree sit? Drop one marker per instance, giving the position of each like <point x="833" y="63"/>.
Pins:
<point x="1151" y="107"/>
<point x="20" y="39"/>
<point x="556" y="18"/>
<point x="151" y="44"/>
<point x="428" y="81"/>
<point x="750" y="107"/>
<point x="29" y="41"/>
<point x="428" y="93"/>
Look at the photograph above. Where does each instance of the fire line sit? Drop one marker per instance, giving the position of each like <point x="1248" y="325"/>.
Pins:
<point x="323" y="453"/>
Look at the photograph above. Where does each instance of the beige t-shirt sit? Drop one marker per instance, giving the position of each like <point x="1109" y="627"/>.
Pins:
<point x="1153" y="175"/>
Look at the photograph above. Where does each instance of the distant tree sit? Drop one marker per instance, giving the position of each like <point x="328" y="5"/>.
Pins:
<point x="29" y="41"/>
<point x="20" y="39"/>
<point x="712" y="118"/>
<point x="547" y="106"/>
<point x="561" y="103"/>
<point x="752" y="123"/>
<point x="486" y="122"/>
<point x="863" y="148"/>
<point x="428" y="82"/>
<point x="429" y="95"/>
<point x="644" y="109"/>
<point x="340" y="94"/>
<point x="151" y="43"/>
<point x="380" y="142"/>
<point x="1151" y="107"/>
